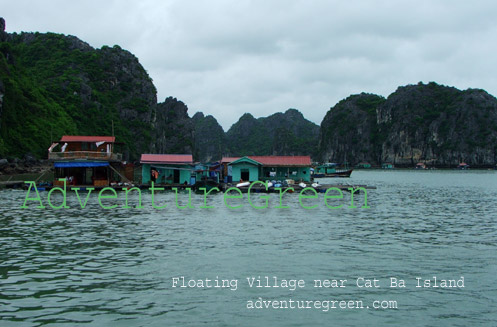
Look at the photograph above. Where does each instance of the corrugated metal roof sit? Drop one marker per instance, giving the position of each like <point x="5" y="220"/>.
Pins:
<point x="167" y="158"/>
<point x="82" y="138"/>
<point x="282" y="160"/>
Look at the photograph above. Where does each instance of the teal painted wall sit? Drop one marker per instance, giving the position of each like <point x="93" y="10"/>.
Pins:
<point x="237" y="172"/>
<point x="282" y="173"/>
<point x="164" y="174"/>
<point x="326" y="170"/>
<point x="145" y="174"/>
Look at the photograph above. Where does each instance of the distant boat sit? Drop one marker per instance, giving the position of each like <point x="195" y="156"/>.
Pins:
<point x="420" y="165"/>
<point x="337" y="173"/>
<point x="330" y="170"/>
<point x="463" y="166"/>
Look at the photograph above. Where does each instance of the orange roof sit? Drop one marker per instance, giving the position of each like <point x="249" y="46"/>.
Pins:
<point x="167" y="158"/>
<point x="81" y="138"/>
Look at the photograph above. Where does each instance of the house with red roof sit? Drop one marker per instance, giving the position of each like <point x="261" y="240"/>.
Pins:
<point x="262" y="168"/>
<point x="167" y="168"/>
<point x="87" y="161"/>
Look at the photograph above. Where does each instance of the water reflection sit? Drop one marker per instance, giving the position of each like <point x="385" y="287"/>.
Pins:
<point x="107" y="267"/>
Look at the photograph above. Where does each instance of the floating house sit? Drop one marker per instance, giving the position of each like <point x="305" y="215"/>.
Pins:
<point x="86" y="161"/>
<point x="387" y="165"/>
<point x="363" y="165"/>
<point x="167" y="168"/>
<point x="262" y="168"/>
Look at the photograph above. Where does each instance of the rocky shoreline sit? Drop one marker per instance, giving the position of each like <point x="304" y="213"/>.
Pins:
<point x="27" y="165"/>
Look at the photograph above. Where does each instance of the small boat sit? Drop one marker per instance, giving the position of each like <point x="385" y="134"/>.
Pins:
<point x="337" y="173"/>
<point x="331" y="170"/>
<point x="421" y="165"/>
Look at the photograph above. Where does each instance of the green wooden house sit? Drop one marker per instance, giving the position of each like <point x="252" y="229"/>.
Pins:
<point x="387" y="165"/>
<point x="168" y="168"/>
<point x="363" y="165"/>
<point x="262" y="168"/>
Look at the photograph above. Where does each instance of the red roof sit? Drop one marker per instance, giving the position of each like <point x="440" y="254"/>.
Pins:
<point x="229" y="159"/>
<point x="276" y="160"/>
<point x="283" y="160"/>
<point x="167" y="158"/>
<point x="80" y="138"/>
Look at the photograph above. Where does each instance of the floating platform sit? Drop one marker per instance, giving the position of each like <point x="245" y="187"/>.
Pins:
<point x="321" y="188"/>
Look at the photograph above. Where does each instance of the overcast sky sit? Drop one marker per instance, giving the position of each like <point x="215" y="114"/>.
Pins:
<point x="226" y="58"/>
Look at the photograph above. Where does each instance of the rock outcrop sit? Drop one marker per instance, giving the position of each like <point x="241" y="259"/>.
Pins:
<point x="286" y="133"/>
<point x="435" y="124"/>
<point x="54" y="84"/>
<point x="349" y="131"/>
<point x="210" y="139"/>
<point x="173" y="129"/>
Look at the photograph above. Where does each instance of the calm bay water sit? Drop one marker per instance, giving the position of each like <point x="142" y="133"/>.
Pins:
<point x="116" y="267"/>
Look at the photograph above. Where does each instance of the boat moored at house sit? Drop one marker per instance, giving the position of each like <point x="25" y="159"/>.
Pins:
<point x="331" y="170"/>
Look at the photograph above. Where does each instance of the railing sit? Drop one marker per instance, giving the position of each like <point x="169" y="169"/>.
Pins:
<point x="85" y="155"/>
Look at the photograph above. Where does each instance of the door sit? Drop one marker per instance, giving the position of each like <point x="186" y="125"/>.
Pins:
<point x="176" y="176"/>
<point x="245" y="175"/>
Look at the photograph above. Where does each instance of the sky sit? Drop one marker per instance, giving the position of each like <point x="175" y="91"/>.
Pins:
<point x="227" y="58"/>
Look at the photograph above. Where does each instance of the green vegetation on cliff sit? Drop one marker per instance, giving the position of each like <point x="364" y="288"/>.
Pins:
<point x="430" y="123"/>
<point x="210" y="139"/>
<point x="56" y="85"/>
<point x="286" y="133"/>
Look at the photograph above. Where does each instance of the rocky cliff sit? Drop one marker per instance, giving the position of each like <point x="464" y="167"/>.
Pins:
<point x="3" y="37"/>
<point x="349" y="131"/>
<point x="210" y="139"/>
<point x="56" y="84"/>
<point x="435" y="124"/>
<point x="286" y="133"/>
<point x="172" y="129"/>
